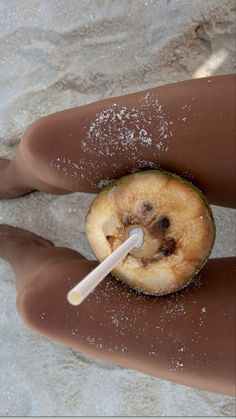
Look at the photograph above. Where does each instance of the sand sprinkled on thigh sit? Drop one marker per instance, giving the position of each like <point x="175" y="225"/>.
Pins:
<point x="120" y="128"/>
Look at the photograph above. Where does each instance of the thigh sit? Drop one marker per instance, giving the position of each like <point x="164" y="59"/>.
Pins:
<point x="179" y="127"/>
<point x="187" y="337"/>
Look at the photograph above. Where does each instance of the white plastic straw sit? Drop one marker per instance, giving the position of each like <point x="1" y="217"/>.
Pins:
<point x="87" y="285"/>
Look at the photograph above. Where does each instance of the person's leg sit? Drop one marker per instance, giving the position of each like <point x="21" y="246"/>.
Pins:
<point x="18" y="178"/>
<point x="25" y="251"/>
<point x="186" y="127"/>
<point x="187" y="337"/>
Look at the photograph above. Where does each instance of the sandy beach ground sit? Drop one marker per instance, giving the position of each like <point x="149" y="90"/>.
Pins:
<point x="56" y="54"/>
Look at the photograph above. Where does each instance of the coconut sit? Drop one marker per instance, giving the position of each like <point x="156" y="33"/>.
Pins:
<point x="177" y="222"/>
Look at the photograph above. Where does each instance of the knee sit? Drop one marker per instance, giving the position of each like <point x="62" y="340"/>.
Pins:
<point x="36" y="304"/>
<point x="39" y="153"/>
<point x="29" y="310"/>
<point x="42" y="303"/>
<point x="35" y="140"/>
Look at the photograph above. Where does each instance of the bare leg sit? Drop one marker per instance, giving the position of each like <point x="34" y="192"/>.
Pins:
<point x="186" y="127"/>
<point x="188" y="338"/>
<point x="25" y="251"/>
<point x="17" y="178"/>
<point x="9" y="184"/>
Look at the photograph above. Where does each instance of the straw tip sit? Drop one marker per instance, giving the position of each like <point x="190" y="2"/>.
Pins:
<point x="138" y="231"/>
<point x="74" y="298"/>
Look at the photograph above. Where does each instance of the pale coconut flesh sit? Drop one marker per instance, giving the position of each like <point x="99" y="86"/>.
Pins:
<point x="177" y="222"/>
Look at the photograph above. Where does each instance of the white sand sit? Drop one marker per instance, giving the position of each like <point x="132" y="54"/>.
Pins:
<point x="55" y="55"/>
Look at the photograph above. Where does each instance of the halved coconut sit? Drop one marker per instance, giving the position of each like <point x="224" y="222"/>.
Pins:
<point x="178" y="225"/>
